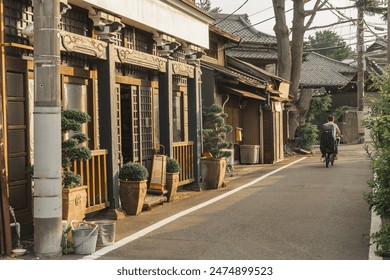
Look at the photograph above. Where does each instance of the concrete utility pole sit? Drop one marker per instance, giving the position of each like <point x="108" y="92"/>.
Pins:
<point x="360" y="57"/>
<point x="47" y="129"/>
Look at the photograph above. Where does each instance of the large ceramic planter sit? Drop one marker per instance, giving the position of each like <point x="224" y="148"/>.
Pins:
<point x="132" y="195"/>
<point x="213" y="172"/>
<point x="172" y="185"/>
<point x="74" y="203"/>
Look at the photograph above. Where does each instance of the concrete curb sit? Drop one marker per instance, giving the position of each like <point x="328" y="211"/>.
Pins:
<point x="375" y="226"/>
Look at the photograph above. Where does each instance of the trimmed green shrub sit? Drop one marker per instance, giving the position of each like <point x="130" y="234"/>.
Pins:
<point x="214" y="131"/>
<point x="133" y="171"/>
<point x="172" y="165"/>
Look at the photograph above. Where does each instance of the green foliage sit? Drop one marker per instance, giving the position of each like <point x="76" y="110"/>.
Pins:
<point x="172" y="165"/>
<point x="330" y="44"/>
<point x="306" y="135"/>
<point x="214" y="131"/>
<point x="133" y="171"/>
<point x="66" y="244"/>
<point x="382" y="241"/>
<point x="378" y="152"/>
<point x="73" y="147"/>
<point x="339" y="112"/>
<point x="318" y="107"/>
<point x="206" y="5"/>
<point x="371" y="7"/>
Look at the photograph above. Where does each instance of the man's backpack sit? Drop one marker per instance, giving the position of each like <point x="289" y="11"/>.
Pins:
<point x="327" y="142"/>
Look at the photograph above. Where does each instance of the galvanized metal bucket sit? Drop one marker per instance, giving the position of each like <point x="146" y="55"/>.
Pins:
<point x="84" y="237"/>
<point x="106" y="232"/>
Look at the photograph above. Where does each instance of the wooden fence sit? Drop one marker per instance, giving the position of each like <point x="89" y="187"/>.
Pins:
<point x="183" y="152"/>
<point x="93" y="173"/>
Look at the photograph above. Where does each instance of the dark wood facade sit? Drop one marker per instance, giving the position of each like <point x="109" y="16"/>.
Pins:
<point x="137" y="100"/>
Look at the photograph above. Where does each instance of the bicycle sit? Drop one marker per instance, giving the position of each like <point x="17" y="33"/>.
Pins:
<point x="329" y="158"/>
<point x="330" y="155"/>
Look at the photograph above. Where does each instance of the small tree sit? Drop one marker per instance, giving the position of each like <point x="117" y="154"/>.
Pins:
<point x="214" y="131"/>
<point x="73" y="144"/>
<point x="330" y="44"/>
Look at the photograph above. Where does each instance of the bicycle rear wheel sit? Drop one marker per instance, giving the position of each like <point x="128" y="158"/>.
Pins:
<point x="327" y="160"/>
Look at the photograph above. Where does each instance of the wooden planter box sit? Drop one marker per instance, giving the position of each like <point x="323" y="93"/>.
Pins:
<point x="74" y="204"/>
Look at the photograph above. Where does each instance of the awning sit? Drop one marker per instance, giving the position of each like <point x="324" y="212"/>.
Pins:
<point x="243" y="78"/>
<point x="244" y="93"/>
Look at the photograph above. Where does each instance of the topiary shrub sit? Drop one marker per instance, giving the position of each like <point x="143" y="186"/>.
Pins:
<point x="72" y="147"/>
<point x="172" y="165"/>
<point x="214" y="131"/>
<point x="133" y="171"/>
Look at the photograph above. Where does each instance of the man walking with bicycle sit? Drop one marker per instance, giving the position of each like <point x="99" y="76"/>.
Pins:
<point x="336" y="133"/>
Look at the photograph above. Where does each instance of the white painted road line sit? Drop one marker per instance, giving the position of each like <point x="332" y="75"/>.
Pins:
<point x="168" y="220"/>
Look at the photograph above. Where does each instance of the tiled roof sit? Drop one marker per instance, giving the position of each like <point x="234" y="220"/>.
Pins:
<point x="240" y="26"/>
<point x="376" y="56"/>
<point x="321" y="71"/>
<point x="253" y="53"/>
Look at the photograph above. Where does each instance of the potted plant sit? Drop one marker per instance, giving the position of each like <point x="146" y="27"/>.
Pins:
<point x="74" y="195"/>
<point x="215" y="145"/>
<point x="173" y="170"/>
<point x="133" y="185"/>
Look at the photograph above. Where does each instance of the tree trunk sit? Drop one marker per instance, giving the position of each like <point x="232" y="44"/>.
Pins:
<point x="290" y="58"/>
<point x="298" y="116"/>
<point x="298" y="31"/>
<point x="282" y="39"/>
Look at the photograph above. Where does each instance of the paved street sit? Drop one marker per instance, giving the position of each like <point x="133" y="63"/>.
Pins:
<point x="304" y="211"/>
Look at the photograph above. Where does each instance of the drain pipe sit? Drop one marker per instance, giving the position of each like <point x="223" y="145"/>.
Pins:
<point x="224" y="103"/>
<point x="15" y="224"/>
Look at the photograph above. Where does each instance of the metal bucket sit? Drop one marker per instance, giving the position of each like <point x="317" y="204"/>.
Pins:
<point x="84" y="237"/>
<point x="106" y="232"/>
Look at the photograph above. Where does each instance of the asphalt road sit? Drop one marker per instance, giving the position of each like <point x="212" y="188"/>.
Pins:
<point x="303" y="212"/>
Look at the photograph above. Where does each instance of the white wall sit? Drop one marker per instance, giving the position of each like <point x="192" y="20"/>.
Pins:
<point x="159" y="15"/>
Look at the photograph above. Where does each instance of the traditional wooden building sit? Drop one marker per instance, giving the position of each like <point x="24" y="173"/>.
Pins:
<point x="252" y="97"/>
<point x="244" y="81"/>
<point x="376" y="57"/>
<point x="123" y="64"/>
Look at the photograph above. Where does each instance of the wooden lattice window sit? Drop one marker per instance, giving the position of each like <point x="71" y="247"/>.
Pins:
<point x="179" y="80"/>
<point x="76" y="20"/>
<point x="136" y="72"/>
<point x="18" y="14"/>
<point x="146" y="122"/>
<point x="179" y="55"/>
<point x="136" y="39"/>
<point x="137" y="123"/>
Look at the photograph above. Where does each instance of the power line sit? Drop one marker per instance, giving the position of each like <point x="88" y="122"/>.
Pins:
<point x="257" y="23"/>
<point x="231" y="13"/>
<point x="261" y="11"/>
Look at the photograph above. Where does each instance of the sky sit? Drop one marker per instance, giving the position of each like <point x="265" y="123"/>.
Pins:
<point x="262" y="11"/>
